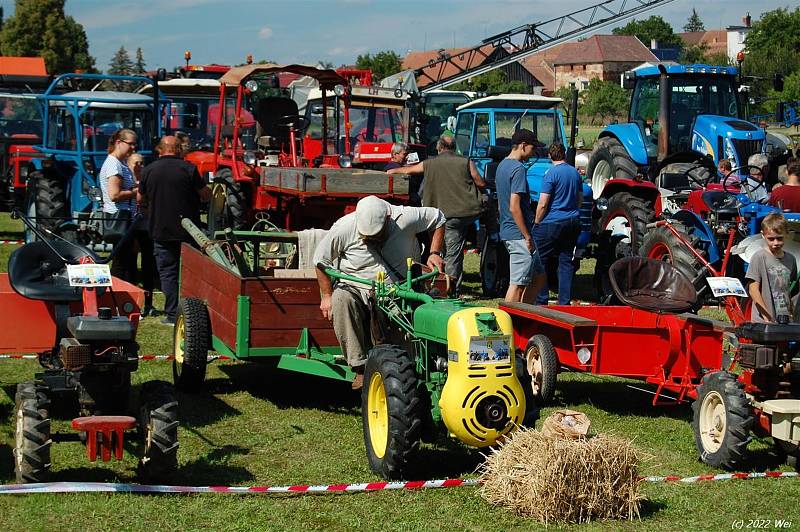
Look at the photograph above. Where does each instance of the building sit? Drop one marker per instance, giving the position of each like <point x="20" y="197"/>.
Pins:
<point x="736" y="36"/>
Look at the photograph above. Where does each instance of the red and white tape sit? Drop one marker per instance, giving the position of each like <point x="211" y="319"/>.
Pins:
<point x="11" y="242"/>
<point x="108" y="487"/>
<point x="147" y="358"/>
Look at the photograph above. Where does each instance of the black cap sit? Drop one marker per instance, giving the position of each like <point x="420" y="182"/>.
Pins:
<point x="524" y="135"/>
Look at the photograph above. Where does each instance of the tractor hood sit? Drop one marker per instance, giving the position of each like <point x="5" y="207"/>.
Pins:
<point x="725" y="137"/>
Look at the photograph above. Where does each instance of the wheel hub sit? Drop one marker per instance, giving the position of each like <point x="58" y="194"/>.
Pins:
<point x="378" y="415"/>
<point x="19" y="438"/>
<point x="713" y="421"/>
<point x="535" y="369"/>
<point x="180" y="339"/>
<point x="600" y="176"/>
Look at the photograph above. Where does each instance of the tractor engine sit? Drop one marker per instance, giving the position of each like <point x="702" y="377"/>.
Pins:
<point x="482" y="399"/>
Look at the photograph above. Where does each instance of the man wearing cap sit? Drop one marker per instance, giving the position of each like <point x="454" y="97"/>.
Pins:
<point x="451" y="184"/>
<point x="377" y="237"/>
<point x="516" y="220"/>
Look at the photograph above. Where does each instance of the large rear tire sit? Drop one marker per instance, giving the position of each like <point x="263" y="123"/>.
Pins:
<point x="609" y="160"/>
<point x="192" y="340"/>
<point x="158" y="425"/>
<point x="662" y="244"/>
<point x="494" y="268"/>
<point x="32" y="434"/>
<point x="390" y="411"/>
<point x="50" y="199"/>
<point x="723" y="419"/>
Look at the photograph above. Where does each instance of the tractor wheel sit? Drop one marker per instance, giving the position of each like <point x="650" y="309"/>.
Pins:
<point x="32" y="446"/>
<point x="192" y="340"/>
<point x="494" y="268"/>
<point x="662" y="244"/>
<point x="723" y="419"/>
<point x="525" y="380"/>
<point x="236" y="196"/>
<point x="609" y="160"/>
<point x="50" y="200"/>
<point x="158" y="426"/>
<point x="216" y="209"/>
<point x="542" y="366"/>
<point x="390" y="411"/>
<point x="621" y="231"/>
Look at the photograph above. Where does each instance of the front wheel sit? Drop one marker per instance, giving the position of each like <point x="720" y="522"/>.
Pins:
<point x="723" y="419"/>
<point x="158" y="426"/>
<point x="390" y="411"/>
<point x="542" y="366"/>
<point x="192" y="340"/>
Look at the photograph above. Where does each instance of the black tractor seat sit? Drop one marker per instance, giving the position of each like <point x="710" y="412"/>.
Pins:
<point x="652" y="285"/>
<point x="720" y="202"/>
<point x="35" y="272"/>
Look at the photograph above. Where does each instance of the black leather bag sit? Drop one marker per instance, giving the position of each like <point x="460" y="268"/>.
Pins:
<point x="116" y="225"/>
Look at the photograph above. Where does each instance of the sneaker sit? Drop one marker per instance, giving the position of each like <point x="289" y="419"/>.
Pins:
<point x="148" y="310"/>
<point x="168" y="321"/>
<point x="358" y="382"/>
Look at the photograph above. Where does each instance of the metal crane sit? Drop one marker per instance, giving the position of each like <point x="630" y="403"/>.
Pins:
<point x="528" y="39"/>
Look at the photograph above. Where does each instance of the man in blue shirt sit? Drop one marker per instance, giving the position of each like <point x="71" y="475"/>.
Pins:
<point x="558" y="224"/>
<point x="516" y="220"/>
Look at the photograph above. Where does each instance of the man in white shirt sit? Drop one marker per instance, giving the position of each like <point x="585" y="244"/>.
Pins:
<point x="376" y="237"/>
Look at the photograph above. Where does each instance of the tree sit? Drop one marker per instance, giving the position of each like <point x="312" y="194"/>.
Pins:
<point x="493" y="82"/>
<point x="605" y="99"/>
<point x="694" y="23"/>
<point x="693" y="54"/>
<point x="139" y="67"/>
<point x="121" y="64"/>
<point x="646" y="30"/>
<point x="40" y="28"/>
<point x="382" y="64"/>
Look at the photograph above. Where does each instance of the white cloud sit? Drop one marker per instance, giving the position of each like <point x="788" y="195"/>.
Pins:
<point x="265" y="33"/>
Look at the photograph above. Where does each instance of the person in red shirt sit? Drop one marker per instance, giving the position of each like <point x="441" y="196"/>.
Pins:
<point x="787" y="197"/>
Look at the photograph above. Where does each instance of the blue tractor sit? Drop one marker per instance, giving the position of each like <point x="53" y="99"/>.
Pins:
<point x="63" y="192"/>
<point x="683" y="119"/>
<point x="483" y="132"/>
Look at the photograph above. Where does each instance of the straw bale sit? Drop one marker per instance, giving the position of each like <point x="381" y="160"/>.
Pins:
<point x="557" y="480"/>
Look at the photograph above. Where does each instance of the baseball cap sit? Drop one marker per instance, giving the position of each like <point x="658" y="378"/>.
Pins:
<point x="371" y="213"/>
<point x="524" y="135"/>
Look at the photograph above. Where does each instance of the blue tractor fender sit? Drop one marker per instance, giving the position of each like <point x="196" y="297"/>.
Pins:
<point x="700" y="229"/>
<point x="630" y="136"/>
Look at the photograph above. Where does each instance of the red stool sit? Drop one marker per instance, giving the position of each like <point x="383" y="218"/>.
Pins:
<point x="106" y="425"/>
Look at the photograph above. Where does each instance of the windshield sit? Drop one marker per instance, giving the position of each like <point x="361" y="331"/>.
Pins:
<point x="369" y="124"/>
<point x="438" y="108"/>
<point x="19" y="116"/>
<point x="98" y="126"/>
<point x="545" y="126"/>
<point x="191" y="116"/>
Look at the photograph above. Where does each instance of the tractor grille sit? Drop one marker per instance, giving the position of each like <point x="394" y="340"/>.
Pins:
<point x="74" y="355"/>
<point x="746" y="148"/>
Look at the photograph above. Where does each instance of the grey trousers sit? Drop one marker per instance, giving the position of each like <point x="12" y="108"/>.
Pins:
<point x="455" y="233"/>
<point x="351" y="323"/>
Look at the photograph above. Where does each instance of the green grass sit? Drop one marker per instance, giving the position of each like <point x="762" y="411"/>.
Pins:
<point x="254" y="425"/>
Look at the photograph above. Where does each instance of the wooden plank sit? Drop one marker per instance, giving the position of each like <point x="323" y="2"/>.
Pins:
<point x="290" y="317"/>
<point x="265" y="338"/>
<point x="223" y="329"/>
<point x="197" y="270"/>
<point x="557" y="315"/>
<point x="282" y="291"/>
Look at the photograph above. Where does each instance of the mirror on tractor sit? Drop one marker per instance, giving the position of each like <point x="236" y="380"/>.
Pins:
<point x="628" y="80"/>
<point x="161" y="74"/>
<point x="777" y="83"/>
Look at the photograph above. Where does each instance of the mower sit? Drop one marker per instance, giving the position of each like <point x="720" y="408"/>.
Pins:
<point x="448" y="364"/>
<point x="82" y="323"/>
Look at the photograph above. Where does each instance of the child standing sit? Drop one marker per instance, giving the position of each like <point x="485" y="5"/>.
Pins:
<point x="771" y="273"/>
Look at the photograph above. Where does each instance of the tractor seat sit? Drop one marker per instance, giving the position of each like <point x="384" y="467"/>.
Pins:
<point x="720" y="202"/>
<point x="652" y="285"/>
<point x="35" y="272"/>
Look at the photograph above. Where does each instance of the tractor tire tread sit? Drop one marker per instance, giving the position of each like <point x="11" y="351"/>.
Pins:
<point x="197" y="343"/>
<point x="159" y="416"/>
<point x="32" y="459"/>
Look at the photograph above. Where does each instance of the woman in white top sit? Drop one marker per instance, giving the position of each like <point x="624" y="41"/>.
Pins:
<point x="119" y="190"/>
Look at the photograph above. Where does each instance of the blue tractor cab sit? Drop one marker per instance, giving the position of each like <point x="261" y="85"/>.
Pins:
<point x="63" y="193"/>
<point x="483" y="132"/>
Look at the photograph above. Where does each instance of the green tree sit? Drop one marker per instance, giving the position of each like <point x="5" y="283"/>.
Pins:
<point x="40" y="28"/>
<point x="493" y="82"/>
<point x="604" y="99"/>
<point x="121" y="64"/>
<point x="695" y="23"/>
<point x="382" y="64"/>
<point x="139" y="66"/>
<point x="646" y="30"/>
<point x="693" y="54"/>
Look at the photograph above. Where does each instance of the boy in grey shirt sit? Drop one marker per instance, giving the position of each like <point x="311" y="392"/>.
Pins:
<point x="771" y="273"/>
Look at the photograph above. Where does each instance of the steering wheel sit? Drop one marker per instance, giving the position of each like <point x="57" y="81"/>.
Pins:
<point x="296" y="122"/>
<point x="732" y="108"/>
<point x="702" y="183"/>
<point x="747" y="182"/>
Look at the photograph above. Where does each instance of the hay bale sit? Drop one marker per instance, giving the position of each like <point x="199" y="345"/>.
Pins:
<point x="557" y="480"/>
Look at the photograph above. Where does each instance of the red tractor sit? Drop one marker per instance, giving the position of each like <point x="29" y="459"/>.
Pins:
<point x="262" y="165"/>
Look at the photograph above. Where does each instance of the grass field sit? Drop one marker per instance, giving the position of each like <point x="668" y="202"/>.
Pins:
<point x="258" y="426"/>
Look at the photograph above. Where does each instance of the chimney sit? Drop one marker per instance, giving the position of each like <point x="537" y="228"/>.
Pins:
<point x="747" y="20"/>
<point x="653" y="44"/>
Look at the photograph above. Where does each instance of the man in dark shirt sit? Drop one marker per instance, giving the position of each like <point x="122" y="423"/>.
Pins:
<point x="787" y="196"/>
<point x="173" y="189"/>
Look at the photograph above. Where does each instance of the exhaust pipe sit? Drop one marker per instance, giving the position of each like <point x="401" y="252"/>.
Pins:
<point x="663" y="113"/>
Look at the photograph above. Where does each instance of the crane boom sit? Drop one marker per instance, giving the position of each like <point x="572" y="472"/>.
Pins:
<point x="528" y="39"/>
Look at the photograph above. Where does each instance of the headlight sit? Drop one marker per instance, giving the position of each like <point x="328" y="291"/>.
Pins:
<point x="339" y="90"/>
<point x="251" y="85"/>
<point x="249" y="158"/>
<point x="602" y="204"/>
<point x="345" y="161"/>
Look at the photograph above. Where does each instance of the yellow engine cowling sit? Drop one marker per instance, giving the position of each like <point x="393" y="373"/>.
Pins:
<point x="482" y="399"/>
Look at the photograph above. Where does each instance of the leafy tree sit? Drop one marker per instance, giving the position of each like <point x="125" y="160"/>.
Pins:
<point x="773" y="43"/>
<point x="654" y="27"/>
<point x="605" y="99"/>
<point x="40" y="28"/>
<point x="694" y="23"/>
<point x="493" y="82"/>
<point x="139" y="66"/>
<point x="693" y="54"/>
<point x="382" y="64"/>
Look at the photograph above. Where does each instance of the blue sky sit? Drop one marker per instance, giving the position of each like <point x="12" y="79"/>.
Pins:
<point x="225" y="31"/>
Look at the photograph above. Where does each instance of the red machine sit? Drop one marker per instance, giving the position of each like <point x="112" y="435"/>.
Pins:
<point x="85" y="337"/>
<point x="653" y="338"/>
<point x="261" y="165"/>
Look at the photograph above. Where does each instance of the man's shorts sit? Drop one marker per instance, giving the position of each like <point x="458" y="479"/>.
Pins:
<point x="524" y="264"/>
